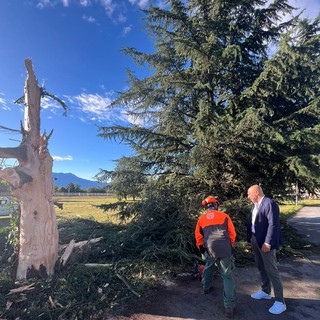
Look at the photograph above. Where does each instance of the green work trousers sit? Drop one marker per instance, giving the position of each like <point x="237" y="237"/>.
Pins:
<point x="226" y="268"/>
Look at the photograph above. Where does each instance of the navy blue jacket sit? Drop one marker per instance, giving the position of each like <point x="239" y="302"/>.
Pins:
<point x="267" y="224"/>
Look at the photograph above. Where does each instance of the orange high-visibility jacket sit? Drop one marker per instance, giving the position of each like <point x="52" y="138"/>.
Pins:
<point x="215" y="231"/>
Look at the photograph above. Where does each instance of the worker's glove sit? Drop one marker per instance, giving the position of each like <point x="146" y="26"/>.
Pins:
<point x="202" y="249"/>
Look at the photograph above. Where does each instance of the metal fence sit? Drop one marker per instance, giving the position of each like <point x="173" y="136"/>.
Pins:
<point x="8" y="203"/>
<point x="82" y="194"/>
<point x="70" y="194"/>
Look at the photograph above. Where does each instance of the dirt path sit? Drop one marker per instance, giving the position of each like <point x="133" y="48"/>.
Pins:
<point x="182" y="298"/>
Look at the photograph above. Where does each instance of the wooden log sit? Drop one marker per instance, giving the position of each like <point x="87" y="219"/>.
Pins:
<point x="22" y="289"/>
<point x="80" y="244"/>
<point x="94" y="265"/>
<point x="67" y="253"/>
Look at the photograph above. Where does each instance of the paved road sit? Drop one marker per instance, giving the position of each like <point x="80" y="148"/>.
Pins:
<point x="307" y="222"/>
<point x="183" y="299"/>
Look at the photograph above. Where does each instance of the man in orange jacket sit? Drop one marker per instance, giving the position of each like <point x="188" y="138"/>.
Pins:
<point x="215" y="236"/>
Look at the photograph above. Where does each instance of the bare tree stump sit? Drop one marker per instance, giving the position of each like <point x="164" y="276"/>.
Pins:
<point x="31" y="185"/>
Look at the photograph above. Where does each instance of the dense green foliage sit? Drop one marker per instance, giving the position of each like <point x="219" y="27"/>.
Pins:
<point x="232" y="99"/>
<point x="128" y="179"/>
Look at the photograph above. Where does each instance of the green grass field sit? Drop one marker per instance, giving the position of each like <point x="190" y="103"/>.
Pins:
<point x="85" y="208"/>
<point x="79" y="207"/>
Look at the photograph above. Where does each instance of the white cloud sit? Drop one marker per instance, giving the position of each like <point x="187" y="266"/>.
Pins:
<point x="141" y="3"/>
<point x="108" y="6"/>
<point x="85" y="3"/>
<point x="58" y="158"/>
<point x="85" y="107"/>
<point x="45" y="3"/>
<point x="114" y="9"/>
<point x="65" y="3"/>
<point x="3" y="103"/>
<point x="89" y="19"/>
<point x="122" y="18"/>
<point x="93" y="104"/>
<point x="126" y="30"/>
<point x="95" y="107"/>
<point x="48" y="103"/>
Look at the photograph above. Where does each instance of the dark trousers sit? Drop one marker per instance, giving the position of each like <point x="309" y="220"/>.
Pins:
<point x="226" y="268"/>
<point x="267" y="265"/>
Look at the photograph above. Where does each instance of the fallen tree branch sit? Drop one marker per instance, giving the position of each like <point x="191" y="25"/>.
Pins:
<point x="93" y="265"/>
<point x="21" y="289"/>
<point x="52" y="302"/>
<point x="128" y="286"/>
<point x="109" y="265"/>
<point x="67" y="253"/>
<point x="125" y="282"/>
<point x="82" y="243"/>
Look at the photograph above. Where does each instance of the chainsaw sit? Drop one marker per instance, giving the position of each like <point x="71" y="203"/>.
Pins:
<point x="196" y="272"/>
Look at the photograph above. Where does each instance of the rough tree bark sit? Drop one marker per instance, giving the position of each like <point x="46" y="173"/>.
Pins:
<point x="31" y="185"/>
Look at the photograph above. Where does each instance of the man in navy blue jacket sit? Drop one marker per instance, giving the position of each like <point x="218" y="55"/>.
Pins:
<point x="265" y="236"/>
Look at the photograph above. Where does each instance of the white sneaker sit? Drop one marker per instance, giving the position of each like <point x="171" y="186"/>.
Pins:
<point x="278" y="307"/>
<point x="261" y="295"/>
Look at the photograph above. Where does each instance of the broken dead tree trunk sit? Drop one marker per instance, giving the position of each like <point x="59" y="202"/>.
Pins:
<point x="31" y="185"/>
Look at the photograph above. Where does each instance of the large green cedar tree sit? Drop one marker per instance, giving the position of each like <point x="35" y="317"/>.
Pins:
<point x="231" y="99"/>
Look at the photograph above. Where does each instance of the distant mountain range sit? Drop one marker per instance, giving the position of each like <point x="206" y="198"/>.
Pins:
<point x="63" y="179"/>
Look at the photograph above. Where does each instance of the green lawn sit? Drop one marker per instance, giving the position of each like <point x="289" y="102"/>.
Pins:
<point x="85" y="208"/>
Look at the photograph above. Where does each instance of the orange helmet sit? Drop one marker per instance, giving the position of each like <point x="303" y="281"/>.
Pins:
<point x="209" y="199"/>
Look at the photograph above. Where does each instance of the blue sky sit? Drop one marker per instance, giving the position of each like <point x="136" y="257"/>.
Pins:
<point x="75" y="49"/>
